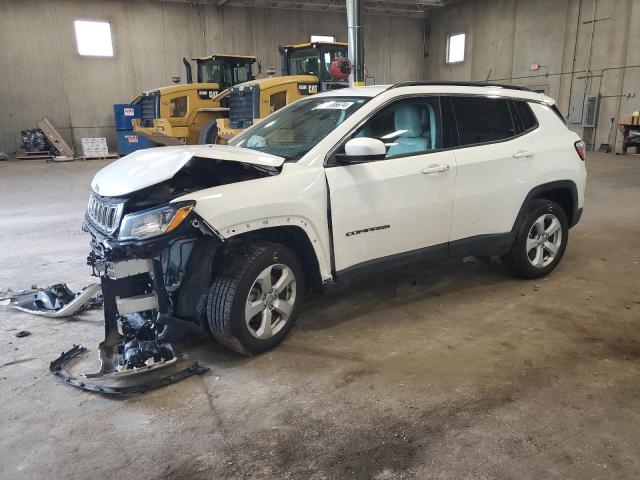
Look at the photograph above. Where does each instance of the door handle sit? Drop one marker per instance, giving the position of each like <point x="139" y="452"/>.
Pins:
<point x="435" y="169"/>
<point x="523" y="154"/>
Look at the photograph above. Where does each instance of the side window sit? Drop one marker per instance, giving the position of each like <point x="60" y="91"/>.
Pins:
<point x="178" y="107"/>
<point x="525" y="117"/>
<point x="277" y="101"/>
<point x="482" y="119"/>
<point x="407" y="127"/>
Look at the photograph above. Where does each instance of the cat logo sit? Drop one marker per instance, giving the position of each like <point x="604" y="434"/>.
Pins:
<point x="207" y="94"/>
<point x="307" y="88"/>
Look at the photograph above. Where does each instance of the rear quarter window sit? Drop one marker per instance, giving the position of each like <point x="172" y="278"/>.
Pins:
<point x="524" y="116"/>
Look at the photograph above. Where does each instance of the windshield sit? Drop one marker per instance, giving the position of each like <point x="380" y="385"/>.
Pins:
<point x="226" y="73"/>
<point x="305" y="61"/>
<point x="294" y="130"/>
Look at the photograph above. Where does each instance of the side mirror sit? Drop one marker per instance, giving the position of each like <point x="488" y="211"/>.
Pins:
<point x="256" y="69"/>
<point x="361" y="150"/>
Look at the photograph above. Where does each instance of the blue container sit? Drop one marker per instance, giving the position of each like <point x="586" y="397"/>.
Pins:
<point x="129" y="141"/>
<point x="124" y="113"/>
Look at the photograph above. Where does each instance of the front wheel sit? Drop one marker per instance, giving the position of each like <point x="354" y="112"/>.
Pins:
<point x="540" y="242"/>
<point x="208" y="133"/>
<point x="253" y="303"/>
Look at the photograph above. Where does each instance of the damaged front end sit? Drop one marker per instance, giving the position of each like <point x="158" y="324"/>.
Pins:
<point x="154" y="257"/>
<point x="146" y="299"/>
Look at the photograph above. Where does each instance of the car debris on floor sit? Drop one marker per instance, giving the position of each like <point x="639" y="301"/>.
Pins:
<point x="116" y="378"/>
<point x="134" y="346"/>
<point x="57" y="301"/>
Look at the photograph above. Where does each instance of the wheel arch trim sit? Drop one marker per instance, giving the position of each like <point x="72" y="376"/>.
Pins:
<point x="283" y="222"/>
<point x="555" y="186"/>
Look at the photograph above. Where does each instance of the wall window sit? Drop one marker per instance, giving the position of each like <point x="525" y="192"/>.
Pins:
<point x="323" y="38"/>
<point x="93" y="38"/>
<point x="455" y="48"/>
<point x="482" y="120"/>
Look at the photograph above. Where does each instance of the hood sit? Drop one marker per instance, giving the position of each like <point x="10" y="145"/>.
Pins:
<point x="182" y="87"/>
<point x="144" y="168"/>
<point x="270" y="82"/>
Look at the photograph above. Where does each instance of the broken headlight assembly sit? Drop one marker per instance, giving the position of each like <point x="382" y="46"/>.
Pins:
<point x="154" y="222"/>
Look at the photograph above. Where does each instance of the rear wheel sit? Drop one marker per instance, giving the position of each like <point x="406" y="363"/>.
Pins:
<point x="253" y="303"/>
<point x="540" y="242"/>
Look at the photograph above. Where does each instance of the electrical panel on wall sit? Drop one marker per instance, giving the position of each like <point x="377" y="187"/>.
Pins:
<point x="576" y="106"/>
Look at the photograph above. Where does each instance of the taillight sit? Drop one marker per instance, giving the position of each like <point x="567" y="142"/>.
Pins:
<point x="581" y="149"/>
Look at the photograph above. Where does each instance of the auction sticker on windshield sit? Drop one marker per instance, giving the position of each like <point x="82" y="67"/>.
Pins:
<point x="333" y="105"/>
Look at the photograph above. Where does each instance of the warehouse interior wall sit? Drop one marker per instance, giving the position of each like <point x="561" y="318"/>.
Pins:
<point x="505" y="37"/>
<point x="42" y="75"/>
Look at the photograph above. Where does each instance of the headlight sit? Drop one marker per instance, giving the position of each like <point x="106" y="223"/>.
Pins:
<point x="153" y="222"/>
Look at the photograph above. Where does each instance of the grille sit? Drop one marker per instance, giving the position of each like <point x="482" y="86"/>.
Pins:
<point x="149" y="109"/>
<point x="243" y="106"/>
<point x="104" y="215"/>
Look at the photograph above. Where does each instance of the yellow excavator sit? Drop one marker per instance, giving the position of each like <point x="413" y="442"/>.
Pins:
<point x="186" y="112"/>
<point x="306" y="68"/>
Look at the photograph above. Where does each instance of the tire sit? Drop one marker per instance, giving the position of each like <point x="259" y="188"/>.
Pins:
<point x="535" y="254"/>
<point x="243" y="281"/>
<point x="208" y="133"/>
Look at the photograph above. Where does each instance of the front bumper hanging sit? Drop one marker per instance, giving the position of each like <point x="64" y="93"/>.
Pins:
<point x="122" y="385"/>
<point x="134" y="356"/>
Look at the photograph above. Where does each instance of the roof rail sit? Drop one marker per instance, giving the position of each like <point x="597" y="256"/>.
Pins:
<point x="458" y="84"/>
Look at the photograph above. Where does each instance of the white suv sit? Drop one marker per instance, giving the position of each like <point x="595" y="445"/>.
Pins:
<point x="331" y="187"/>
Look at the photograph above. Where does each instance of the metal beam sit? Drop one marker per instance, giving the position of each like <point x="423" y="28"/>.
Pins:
<point x="370" y="7"/>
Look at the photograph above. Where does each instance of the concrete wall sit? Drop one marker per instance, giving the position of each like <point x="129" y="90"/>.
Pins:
<point x="41" y="73"/>
<point x="505" y="37"/>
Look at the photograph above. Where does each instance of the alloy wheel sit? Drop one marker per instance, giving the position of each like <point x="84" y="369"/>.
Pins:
<point x="544" y="240"/>
<point x="270" y="301"/>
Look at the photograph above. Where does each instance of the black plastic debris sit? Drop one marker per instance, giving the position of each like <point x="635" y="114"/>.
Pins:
<point x="58" y="300"/>
<point x="128" y="382"/>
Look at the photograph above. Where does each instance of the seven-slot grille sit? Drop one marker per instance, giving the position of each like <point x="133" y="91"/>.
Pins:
<point x="104" y="215"/>
<point x="149" y="108"/>
<point x="243" y="106"/>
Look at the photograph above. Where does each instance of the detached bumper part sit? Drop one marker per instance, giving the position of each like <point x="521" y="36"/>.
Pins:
<point x="123" y="384"/>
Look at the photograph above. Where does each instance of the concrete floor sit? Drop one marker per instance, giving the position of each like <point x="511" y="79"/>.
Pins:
<point x="456" y="372"/>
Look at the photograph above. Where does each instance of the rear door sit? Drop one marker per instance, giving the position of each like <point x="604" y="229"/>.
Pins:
<point x="496" y="166"/>
<point x="400" y="204"/>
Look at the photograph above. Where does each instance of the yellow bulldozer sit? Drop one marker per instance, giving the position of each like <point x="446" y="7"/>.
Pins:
<point x="186" y="112"/>
<point x="306" y="68"/>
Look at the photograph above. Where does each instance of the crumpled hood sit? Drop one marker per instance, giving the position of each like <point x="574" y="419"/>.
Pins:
<point x="144" y="168"/>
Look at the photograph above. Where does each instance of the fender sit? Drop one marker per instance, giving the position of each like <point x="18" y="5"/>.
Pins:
<point x="285" y="221"/>
<point x="296" y="197"/>
<point x="537" y="192"/>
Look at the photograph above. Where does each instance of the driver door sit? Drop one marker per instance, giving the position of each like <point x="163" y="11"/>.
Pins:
<point x="400" y="207"/>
